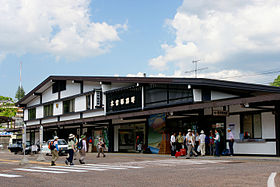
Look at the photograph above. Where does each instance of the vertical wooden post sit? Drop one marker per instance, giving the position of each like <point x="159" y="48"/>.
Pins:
<point x="277" y="128"/>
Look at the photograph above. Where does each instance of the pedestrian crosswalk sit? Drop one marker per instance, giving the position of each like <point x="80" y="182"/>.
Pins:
<point x="113" y="166"/>
<point x="9" y="175"/>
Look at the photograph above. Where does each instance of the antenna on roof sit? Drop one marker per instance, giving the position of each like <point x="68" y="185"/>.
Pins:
<point x="20" y="67"/>
<point x="195" y="68"/>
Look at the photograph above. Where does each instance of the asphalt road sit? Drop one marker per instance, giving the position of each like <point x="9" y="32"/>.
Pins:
<point x="140" y="170"/>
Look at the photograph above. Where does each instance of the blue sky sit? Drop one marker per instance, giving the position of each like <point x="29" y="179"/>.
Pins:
<point x="160" y="38"/>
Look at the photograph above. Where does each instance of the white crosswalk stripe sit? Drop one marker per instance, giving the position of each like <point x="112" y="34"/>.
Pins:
<point x="118" y="166"/>
<point x="9" y="175"/>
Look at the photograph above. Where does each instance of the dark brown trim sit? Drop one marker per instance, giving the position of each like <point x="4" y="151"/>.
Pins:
<point x="192" y="81"/>
<point x="62" y="99"/>
<point x="277" y="127"/>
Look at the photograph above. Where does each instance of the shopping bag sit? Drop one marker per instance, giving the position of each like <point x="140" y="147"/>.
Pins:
<point x="198" y="149"/>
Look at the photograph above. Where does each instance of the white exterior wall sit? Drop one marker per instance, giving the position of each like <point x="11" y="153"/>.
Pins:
<point x="197" y="95"/>
<point x="267" y="148"/>
<point x="70" y="117"/>
<point x="93" y="114"/>
<point x="268" y="132"/>
<point x="49" y="96"/>
<point x="49" y="120"/>
<point x="268" y="125"/>
<point x="25" y="114"/>
<point x="35" y="101"/>
<point x="80" y="103"/>
<point x="215" y="95"/>
<point x="35" y="122"/>
<point x="71" y="89"/>
<point x="39" y="112"/>
<point x="57" y="108"/>
<point x="89" y="86"/>
<point x="116" y="138"/>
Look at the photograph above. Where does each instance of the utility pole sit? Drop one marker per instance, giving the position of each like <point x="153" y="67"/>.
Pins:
<point x="195" y="68"/>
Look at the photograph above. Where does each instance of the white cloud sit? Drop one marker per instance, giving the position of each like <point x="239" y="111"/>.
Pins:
<point x="214" y="31"/>
<point x="62" y="28"/>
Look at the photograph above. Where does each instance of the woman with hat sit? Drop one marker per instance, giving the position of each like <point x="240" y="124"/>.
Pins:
<point x="71" y="149"/>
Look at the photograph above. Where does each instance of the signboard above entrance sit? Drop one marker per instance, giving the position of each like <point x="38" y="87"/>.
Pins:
<point x="220" y="113"/>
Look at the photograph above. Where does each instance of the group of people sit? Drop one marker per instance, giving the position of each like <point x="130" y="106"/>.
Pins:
<point x="194" y="143"/>
<point x="75" y="147"/>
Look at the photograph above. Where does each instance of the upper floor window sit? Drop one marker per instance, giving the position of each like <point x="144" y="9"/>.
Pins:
<point x="31" y="113"/>
<point x="48" y="110"/>
<point x="69" y="106"/>
<point x="59" y="85"/>
<point x="251" y="126"/>
<point x="88" y="99"/>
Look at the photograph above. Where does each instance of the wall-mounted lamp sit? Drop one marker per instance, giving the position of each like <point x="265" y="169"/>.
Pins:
<point x="189" y="86"/>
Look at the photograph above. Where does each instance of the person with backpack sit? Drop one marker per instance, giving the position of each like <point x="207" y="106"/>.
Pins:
<point x="82" y="146"/>
<point x="53" y="146"/>
<point x="101" y="147"/>
<point x="71" y="150"/>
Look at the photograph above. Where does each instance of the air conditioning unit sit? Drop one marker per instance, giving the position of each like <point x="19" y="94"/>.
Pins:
<point x="98" y="103"/>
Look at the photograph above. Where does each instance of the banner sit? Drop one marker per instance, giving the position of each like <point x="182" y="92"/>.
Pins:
<point x="156" y="128"/>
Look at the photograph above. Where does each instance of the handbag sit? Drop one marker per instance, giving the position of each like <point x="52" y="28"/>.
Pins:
<point x="198" y="149"/>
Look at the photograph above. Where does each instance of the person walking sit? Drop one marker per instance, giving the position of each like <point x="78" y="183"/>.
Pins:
<point x="101" y="147"/>
<point x="217" y="143"/>
<point x="190" y="143"/>
<point x="71" y="150"/>
<point x="180" y="141"/>
<point x="173" y="144"/>
<point x="75" y="139"/>
<point x="202" y="143"/>
<point x="54" y="150"/>
<point x="231" y="141"/>
<point x="83" y="149"/>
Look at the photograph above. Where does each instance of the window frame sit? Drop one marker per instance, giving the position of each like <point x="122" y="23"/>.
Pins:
<point x="252" y="114"/>
<point x="51" y="109"/>
<point x="71" y="109"/>
<point x="30" y="110"/>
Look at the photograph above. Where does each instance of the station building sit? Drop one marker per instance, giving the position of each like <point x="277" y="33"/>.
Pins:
<point x="123" y="109"/>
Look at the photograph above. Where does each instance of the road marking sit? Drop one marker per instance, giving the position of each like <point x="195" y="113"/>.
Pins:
<point x="59" y="169"/>
<point x="41" y="171"/>
<point x="80" y="167"/>
<point x="30" y="161"/>
<point x="9" y="175"/>
<point x="114" y="166"/>
<point x="270" y="181"/>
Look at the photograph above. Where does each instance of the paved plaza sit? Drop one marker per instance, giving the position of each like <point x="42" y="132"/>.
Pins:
<point x="140" y="170"/>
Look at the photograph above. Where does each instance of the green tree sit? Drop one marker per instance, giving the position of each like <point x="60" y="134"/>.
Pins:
<point x="7" y="107"/>
<point x="20" y="93"/>
<point x="276" y="82"/>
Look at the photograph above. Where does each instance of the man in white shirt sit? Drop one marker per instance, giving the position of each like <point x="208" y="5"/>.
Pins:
<point x="190" y="144"/>
<point x="231" y="141"/>
<point x="83" y="150"/>
<point x="202" y="143"/>
<point x="173" y="144"/>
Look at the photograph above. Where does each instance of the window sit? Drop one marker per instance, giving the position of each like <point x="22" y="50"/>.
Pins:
<point x="88" y="101"/>
<point x="68" y="106"/>
<point x="48" y="110"/>
<point x="31" y="113"/>
<point x="59" y="85"/>
<point x="251" y="126"/>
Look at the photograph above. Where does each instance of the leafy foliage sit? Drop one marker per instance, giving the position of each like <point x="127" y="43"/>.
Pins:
<point x="20" y="93"/>
<point x="276" y="82"/>
<point x="7" y="107"/>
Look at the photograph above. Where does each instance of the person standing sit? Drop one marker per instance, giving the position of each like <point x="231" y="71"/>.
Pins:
<point x="173" y="144"/>
<point x="217" y="142"/>
<point x="202" y="142"/>
<point x="83" y="149"/>
<point x="190" y="143"/>
<point x="196" y="141"/>
<point x="211" y="143"/>
<point x="75" y="147"/>
<point x="71" y="150"/>
<point x="231" y="141"/>
<point x="101" y="147"/>
<point x="180" y="141"/>
<point x="54" y="150"/>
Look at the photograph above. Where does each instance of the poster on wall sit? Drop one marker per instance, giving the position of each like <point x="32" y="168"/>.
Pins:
<point x="156" y="128"/>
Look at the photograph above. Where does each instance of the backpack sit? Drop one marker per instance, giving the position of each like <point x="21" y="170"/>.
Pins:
<point x="80" y="145"/>
<point x="51" y="145"/>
